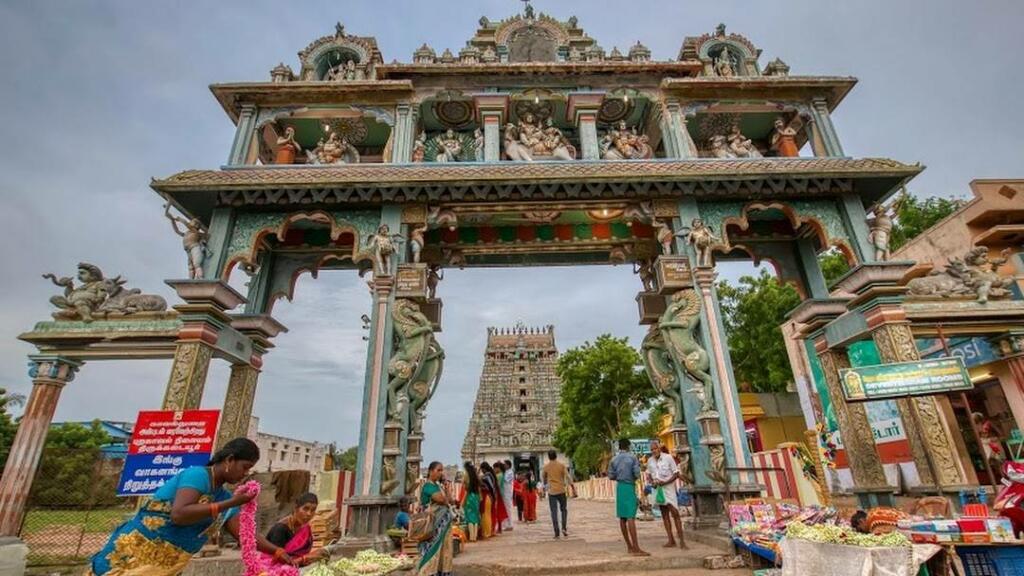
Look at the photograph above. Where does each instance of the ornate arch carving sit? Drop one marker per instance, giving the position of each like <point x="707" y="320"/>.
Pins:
<point x="825" y="232"/>
<point x="251" y="231"/>
<point x="509" y="28"/>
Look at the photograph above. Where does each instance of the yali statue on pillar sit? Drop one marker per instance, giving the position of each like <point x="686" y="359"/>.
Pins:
<point x="678" y="326"/>
<point x="417" y="362"/>
<point x="661" y="371"/>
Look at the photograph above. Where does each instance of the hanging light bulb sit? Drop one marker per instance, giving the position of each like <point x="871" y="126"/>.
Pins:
<point x="625" y="98"/>
<point x="536" y="99"/>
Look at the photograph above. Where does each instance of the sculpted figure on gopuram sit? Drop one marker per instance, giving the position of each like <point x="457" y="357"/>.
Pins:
<point x="336" y="150"/>
<point x="531" y="140"/>
<point x="624" y="143"/>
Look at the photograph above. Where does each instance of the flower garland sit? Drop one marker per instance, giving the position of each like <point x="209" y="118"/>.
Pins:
<point x="256" y="564"/>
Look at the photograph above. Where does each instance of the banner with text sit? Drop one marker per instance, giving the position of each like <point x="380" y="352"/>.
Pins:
<point x="902" y="379"/>
<point x="165" y="442"/>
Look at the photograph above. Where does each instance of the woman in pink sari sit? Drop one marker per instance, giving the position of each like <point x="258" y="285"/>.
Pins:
<point x="294" y="534"/>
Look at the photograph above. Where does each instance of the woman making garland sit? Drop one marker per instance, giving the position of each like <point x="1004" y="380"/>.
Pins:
<point x="294" y="534"/>
<point x="169" y="529"/>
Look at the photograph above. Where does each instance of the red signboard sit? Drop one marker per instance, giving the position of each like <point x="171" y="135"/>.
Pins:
<point x="171" y="432"/>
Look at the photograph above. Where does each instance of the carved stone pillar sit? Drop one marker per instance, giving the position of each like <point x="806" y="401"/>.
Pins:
<point x="49" y="375"/>
<point x="678" y="142"/>
<point x="375" y="393"/>
<point x="204" y="316"/>
<point x="733" y="429"/>
<point x="405" y="133"/>
<point x="243" y="135"/>
<point x="492" y="110"/>
<point x="241" y="394"/>
<point x="824" y="127"/>
<point x="237" y="410"/>
<point x="583" y="109"/>
<point x="858" y="438"/>
<point x="928" y="431"/>
<point x="188" y="375"/>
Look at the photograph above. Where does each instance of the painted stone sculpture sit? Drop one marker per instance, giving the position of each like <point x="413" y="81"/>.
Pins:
<point x="661" y="371"/>
<point x="96" y="296"/>
<point x="383" y="245"/>
<point x="287" y="147"/>
<point x="532" y="139"/>
<point x="624" y="143"/>
<point x="193" y="240"/>
<point x="336" y="150"/>
<point x="881" y="231"/>
<point x="784" y="140"/>
<point x="703" y="239"/>
<point x="976" y="274"/>
<point x="678" y="326"/>
<point x="416" y="365"/>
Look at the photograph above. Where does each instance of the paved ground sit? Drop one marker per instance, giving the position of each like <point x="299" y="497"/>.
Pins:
<point x="594" y="546"/>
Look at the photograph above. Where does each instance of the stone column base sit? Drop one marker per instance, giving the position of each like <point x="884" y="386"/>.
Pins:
<point x="371" y="517"/>
<point x="874" y="497"/>
<point x="13" y="554"/>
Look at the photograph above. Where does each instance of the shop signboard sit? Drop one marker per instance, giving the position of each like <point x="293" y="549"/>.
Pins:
<point x="163" y="443"/>
<point x="902" y="379"/>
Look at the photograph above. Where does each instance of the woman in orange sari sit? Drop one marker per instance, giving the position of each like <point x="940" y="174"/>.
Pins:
<point x="488" y="488"/>
<point x="529" y="498"/>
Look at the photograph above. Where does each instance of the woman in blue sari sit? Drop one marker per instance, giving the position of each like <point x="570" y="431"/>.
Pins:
<point x="169" y="529"/>
<point x="436" y="554"/>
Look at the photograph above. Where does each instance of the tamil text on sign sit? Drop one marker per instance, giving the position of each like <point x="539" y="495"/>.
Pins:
<point x="934" y="376"/>
<point x="165" y="442"/>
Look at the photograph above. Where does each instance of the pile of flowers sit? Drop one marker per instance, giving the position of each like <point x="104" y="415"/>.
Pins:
<point x="836" y="534"/>
<point x="365" y="563"/>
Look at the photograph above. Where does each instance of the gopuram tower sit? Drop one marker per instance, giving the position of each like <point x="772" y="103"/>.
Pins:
<point x="516" y="409"/>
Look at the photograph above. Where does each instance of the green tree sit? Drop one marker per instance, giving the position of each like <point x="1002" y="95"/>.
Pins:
<point x="7" y="426"/>
<point x="914" y="216"/>
<point x="72" y="470"/>
<point x="346" y="460"/>
<point x="833" y="265"/>
<point x="603" y="389"/>
<point x="752" y="313"/>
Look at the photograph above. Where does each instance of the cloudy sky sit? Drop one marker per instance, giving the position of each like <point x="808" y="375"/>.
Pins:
<point x="102" y="96"/>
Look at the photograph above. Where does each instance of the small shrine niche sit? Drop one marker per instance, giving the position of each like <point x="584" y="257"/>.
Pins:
<point x="449" y="131"/>
<point x="738" y="130"/>
<point x="340" y="57"/>
<point x="350" y="135"/>
<point x="724" y="55"/>
<point x="625" y="131"/>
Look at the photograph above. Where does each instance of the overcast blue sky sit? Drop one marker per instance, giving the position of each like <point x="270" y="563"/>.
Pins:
<point x="101" y="96"/>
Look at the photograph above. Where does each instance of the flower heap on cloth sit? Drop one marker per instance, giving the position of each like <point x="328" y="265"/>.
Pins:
<point x="256" y="564"/>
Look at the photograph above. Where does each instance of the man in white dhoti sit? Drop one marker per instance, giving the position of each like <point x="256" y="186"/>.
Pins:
<point x="662" y="473"/>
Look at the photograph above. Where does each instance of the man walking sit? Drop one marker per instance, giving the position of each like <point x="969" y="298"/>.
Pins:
<point x="624" y="469"/>
<point x="556" y="477"/>
<point x="507" y="492"/>
<point x="662" y="472"/>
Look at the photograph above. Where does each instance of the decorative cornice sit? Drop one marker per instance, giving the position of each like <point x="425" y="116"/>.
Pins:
<point x="233" y="96"/>
<point x="288" y="177"/>
<point x="832" y="88"/>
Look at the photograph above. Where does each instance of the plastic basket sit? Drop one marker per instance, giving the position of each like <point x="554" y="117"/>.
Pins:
<point x="1008" y="561"/>
<point x="977" y="562"/>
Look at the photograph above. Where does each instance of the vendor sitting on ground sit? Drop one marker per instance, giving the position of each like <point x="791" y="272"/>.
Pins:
<point x="402" y="518"/>
<point x="859" y="522"/>
<point x="294" y="534"/>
